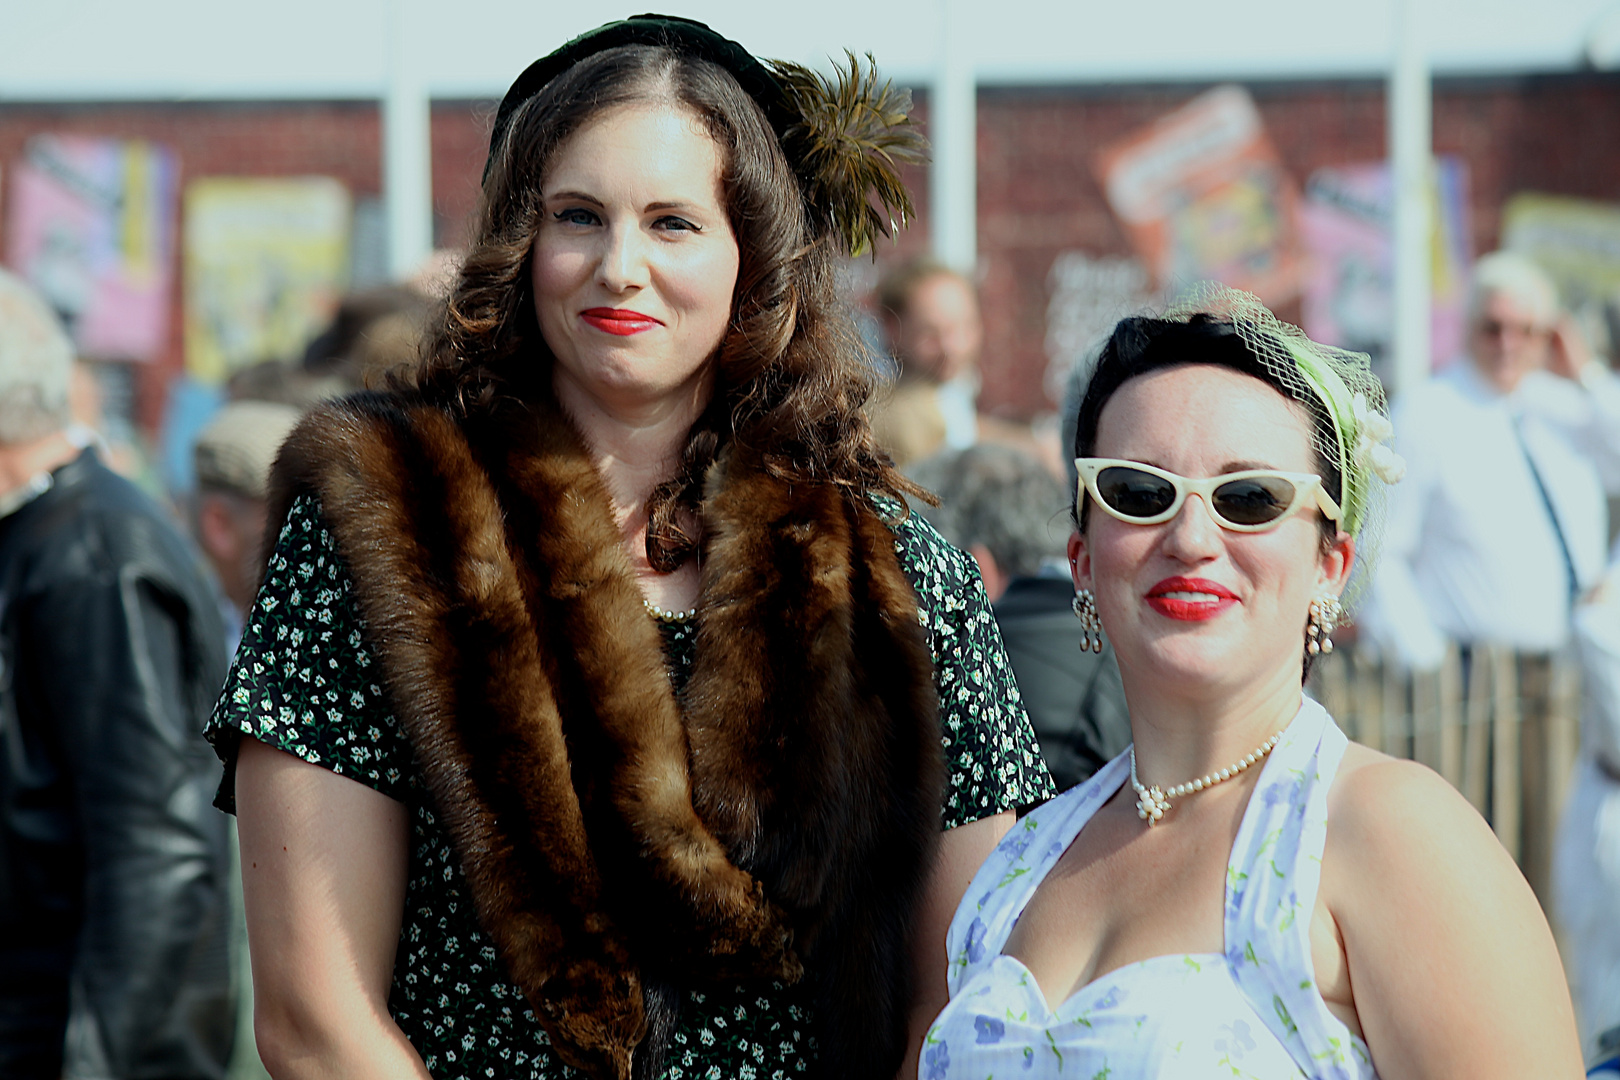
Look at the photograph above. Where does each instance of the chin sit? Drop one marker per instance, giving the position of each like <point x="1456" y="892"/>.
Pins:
<point x="1199" y="658"/>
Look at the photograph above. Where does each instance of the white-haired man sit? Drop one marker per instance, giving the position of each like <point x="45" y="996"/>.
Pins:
<point x="113" y="930"/>
<point x="1501" y="522"/>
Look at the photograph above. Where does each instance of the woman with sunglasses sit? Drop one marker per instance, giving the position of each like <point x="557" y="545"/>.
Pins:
<point x="1243" y="892"/>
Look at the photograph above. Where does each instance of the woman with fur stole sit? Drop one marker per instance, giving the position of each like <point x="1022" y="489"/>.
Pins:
<point x="601" y="708"/>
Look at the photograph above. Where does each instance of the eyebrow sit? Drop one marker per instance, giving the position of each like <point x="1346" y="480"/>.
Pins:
<point x="1229" y="467"/>
<point x="581" y="196"/>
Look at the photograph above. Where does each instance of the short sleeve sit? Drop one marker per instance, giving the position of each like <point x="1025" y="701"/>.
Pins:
<point x="992" y="760"/>
<point x="303" y="680"/>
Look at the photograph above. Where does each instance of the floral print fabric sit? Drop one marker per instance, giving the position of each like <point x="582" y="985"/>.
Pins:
<point x="1253" y="1012"/>
<point x="305" y="681"/>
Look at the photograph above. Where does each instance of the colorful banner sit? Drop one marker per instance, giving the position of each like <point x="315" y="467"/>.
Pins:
<point x="1346" y="224"/>
<point x="1577" y="241"/>
<point x="90" y="224"/>
<point x="266" y="261"/>
<point x="1203" y="195"/>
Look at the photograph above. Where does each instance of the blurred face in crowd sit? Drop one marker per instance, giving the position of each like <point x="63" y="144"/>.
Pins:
<point x="635" y="262"/>
<point x="938" y="335"/>
<point x="1188" y="603"/>
<point x="229" y="529"/>
<point x="1507" y="341"/>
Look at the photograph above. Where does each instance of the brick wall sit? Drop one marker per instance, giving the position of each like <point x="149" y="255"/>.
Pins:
<point x="1037" y="195"/>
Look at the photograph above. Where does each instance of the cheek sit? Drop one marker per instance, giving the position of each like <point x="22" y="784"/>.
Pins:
<point x="556" y="273"/>
<point x="1116" y="550"/>
<point x="701" y="286"/>
<point x="1283" y="564"/>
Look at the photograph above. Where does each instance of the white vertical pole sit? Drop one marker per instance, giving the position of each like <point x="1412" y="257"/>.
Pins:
<point x="407" y="148"/>
<point x="1411" y="158"/>
<point x="953" y="129"/>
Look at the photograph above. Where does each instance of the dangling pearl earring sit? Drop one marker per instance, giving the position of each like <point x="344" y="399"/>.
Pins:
<point x="1091" y="631"/>
<point x="1324" y="618"/>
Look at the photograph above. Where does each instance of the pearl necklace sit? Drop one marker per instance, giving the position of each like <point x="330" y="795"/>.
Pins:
<point x="1154" y="801"/>
<point x="668" y="616"/>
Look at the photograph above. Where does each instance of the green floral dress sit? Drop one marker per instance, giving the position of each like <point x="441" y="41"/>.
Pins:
<point x="305" y="681"/>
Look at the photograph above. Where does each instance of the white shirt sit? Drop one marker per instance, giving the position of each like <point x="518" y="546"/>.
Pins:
<point x="1470" y="553"/>
<point x="958" y="405"/>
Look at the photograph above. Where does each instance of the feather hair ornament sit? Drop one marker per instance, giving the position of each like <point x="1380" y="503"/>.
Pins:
<point x="852" y="135"/>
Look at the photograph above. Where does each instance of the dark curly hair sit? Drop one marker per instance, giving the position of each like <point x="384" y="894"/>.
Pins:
<point x="791" y="376"/>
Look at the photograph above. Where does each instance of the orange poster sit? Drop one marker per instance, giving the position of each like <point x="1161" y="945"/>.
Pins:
<point x="1203" y="195"/>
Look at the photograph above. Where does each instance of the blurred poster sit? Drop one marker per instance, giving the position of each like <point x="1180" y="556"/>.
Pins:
<point x="90" y="224"/>
<point x="1346" y="222"/>
<point x="266" y="261"/>
<point x="1203" y="195"/>
<point x="1577" y="241"/>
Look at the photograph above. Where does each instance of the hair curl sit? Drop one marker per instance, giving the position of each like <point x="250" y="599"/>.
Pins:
<point x="791" y="378"/>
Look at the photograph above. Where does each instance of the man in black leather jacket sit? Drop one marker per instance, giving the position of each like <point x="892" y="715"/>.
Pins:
<point x="113" y="931"/>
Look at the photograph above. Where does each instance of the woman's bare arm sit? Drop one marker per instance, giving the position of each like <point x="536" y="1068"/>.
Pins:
<point x="1453" y="970"/>
<point x="962" y="851"/>
<point x="324" y="862"/>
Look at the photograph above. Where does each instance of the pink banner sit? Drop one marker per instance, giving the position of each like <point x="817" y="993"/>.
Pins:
<point x="1346" y="224"/>
<point x="91" y="225"/>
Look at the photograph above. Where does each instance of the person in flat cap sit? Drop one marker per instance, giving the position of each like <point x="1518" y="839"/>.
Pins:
<point x="602" y="708"/>
<point x="233" y="456"/>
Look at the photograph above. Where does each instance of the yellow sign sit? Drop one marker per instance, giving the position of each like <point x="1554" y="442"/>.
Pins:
<point x="265" y="262"/>
<point x="1577" y="241"/>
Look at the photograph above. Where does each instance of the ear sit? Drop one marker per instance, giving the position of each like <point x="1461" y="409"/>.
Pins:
<point x="890" y="323"/>
<point x="216" y="532"/>
<point x="1079" y="560"/>
<point x="1333" y="570"/>
<point x="995" y="582"/>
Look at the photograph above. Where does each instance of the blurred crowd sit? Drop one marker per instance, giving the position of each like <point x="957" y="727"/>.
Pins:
<point x="119" y="926"/>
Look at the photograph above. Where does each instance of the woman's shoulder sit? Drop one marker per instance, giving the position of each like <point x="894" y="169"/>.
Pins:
<point x="1374" y="795"/>
<point x="1397" y="825"/>
<point x="922" y="550"/>
<point x="304" y="680"/>
<point x="1423" y="896"/>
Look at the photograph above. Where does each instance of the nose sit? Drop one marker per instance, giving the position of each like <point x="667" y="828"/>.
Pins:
<point x="623" y="263"/>
<point x="1193" y="536"/>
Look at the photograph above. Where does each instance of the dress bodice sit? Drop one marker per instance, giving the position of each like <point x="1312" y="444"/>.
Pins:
<point x="1252" y="1011"/>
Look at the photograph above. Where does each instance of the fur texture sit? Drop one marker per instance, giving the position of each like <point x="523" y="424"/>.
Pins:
<point x="615" y="841"/>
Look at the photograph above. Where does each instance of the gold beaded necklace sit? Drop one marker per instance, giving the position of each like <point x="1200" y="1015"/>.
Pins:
<point x="663" y="615"/>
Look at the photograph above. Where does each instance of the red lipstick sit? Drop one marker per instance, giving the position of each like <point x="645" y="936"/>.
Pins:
<point x="1190" y="599"/>
<point x="618" y="321"/>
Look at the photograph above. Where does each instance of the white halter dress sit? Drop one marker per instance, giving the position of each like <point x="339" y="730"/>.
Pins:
<point x="1254" y="1012"/>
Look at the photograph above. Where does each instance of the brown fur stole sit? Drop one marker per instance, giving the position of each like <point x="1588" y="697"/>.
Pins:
<point x="614" y="839"/>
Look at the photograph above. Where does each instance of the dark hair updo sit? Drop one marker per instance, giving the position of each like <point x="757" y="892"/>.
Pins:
<point x="1140" y="345"/>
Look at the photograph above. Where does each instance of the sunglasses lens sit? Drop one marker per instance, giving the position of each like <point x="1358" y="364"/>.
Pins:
<point x="1254" y="500"/>
<point x="1134" y="493"/>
